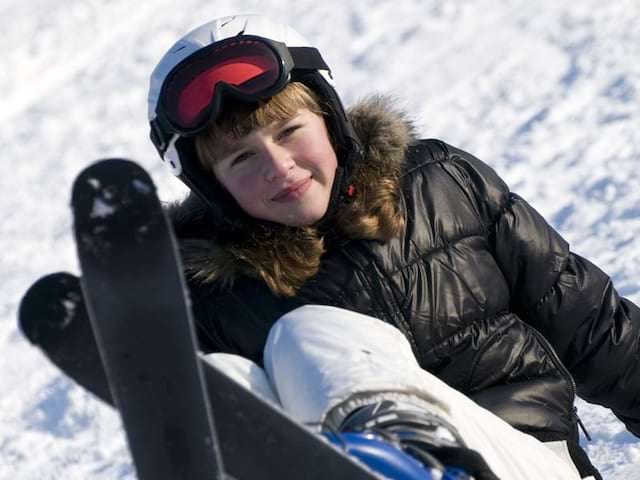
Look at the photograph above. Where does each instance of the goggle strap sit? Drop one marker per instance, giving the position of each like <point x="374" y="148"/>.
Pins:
<point x="160" y="135"/>
<point x="307" y="58"/>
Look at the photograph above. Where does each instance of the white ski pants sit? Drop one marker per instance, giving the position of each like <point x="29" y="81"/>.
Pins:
<point x="323" y="362"/>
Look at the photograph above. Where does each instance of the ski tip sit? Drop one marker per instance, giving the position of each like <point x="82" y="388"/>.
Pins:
<point x="107" y="182"/>
<point x="101" y="188"/>
<point x="49" y="305"/>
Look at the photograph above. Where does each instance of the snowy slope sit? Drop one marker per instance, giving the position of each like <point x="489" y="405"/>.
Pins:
<point x="548" y="92"/>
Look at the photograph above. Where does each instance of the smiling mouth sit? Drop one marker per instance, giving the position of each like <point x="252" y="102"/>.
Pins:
<point x="294" y="191"/>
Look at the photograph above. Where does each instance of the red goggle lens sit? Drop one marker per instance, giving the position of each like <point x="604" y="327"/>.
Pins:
<point x="248" y="65"/>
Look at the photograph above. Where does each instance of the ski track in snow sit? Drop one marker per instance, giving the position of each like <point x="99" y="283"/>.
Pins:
<point x="546" y="92"/>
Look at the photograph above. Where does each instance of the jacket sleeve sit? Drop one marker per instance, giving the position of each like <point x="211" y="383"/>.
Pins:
<point x="210" y="334"/>
<point x="226" y="322"/>
<point x="573" y="303"/>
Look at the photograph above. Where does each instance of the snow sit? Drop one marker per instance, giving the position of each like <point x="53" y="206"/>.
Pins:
<point x="547" y="92"/>
<point x="100" y="209"/>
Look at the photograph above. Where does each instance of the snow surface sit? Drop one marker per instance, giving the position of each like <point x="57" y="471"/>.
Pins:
<point x="548" y="92"/>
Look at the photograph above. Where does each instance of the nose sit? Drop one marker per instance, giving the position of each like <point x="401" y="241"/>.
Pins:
<point x="279" y="162"/>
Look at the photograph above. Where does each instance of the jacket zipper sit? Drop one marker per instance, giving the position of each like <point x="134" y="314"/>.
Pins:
<point x="566" y="374"/>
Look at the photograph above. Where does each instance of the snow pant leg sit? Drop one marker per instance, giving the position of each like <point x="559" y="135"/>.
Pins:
<point x="321" y="360"/>
<point x="245" y="372"/>
<point x="324" y="362"/>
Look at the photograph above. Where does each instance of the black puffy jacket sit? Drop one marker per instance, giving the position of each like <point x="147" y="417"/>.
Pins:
<point x="488" y="294"/>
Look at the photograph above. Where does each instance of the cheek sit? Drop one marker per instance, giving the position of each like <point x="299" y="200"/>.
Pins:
<point x="246" y="182"/>
<point x="323" y="144"/>
<point x="320" y="154"/>
<point x="326" y="157"/>
<point x="245" y="189"/>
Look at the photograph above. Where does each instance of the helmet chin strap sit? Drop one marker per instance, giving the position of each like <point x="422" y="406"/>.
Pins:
<point x="334" y="200"/>
<point x="340" y="190"/>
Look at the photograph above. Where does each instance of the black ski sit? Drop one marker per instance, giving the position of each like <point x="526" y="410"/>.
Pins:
<point x="255" y="440"/>
<point x="53" y="316"/>
<point x="133" y="289"/>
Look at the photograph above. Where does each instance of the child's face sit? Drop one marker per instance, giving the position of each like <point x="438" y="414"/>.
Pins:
<point x="282" y="172"/>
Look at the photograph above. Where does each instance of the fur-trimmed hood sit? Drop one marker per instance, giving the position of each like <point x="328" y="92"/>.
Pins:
<point x="294" y="253"/>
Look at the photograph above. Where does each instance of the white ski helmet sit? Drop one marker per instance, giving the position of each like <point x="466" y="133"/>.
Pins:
<point x="305" y="64"/>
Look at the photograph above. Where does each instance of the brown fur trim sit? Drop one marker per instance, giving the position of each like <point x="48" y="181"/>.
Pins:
<point x="374" y="212"/>
<point x="286" y="257"/>
<point x="207" y="262"/>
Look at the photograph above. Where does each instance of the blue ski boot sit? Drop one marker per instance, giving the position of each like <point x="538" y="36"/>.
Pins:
<point x="404" y="443"/>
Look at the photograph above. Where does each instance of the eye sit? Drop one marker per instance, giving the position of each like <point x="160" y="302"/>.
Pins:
<point x="240" y="158"/>
<point x="288" y="131"/>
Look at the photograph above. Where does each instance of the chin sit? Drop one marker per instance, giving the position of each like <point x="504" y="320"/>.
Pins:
<point x="303" y="219"/>
<point x="300" y="222"/>
<point x="303" y="215"/>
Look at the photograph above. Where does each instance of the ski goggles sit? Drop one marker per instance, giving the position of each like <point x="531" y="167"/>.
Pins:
<point x="247" y="67"/>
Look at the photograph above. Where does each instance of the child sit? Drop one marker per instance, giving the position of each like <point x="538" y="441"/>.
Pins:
<point x="297" y="202"/>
